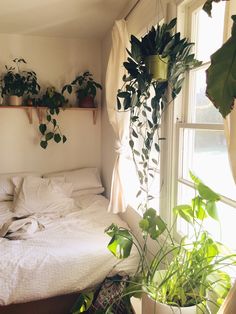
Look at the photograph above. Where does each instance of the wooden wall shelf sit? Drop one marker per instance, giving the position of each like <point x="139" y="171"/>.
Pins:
<point x="40" y="111"/>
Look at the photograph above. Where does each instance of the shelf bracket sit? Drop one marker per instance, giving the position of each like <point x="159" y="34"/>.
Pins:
<point x="29" y="113"/>
<point x="95" y="114"/>
<point x="40" y="112"/>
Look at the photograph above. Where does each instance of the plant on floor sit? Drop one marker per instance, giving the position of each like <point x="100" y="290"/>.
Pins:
<point x="17" y="82"/>
<point x="193" y="268"/>
<point x="50" y="130"/>
<point x="221" y="83"/>
<point x="85" y="89"/>
<point x="146" y="93"/>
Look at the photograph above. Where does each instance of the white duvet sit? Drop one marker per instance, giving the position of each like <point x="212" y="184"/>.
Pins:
<point x="59" y="254"/>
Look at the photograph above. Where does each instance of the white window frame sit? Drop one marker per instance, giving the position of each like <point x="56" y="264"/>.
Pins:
<point x="180" y="117"/>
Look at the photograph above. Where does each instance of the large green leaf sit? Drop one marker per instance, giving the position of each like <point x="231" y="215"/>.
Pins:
<point x="221" y="75"/>
<point x="83" y="303"/>
<point x="121" y="242"/>
<point x="207" y="7"/>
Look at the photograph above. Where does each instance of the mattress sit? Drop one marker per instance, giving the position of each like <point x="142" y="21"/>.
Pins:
<point x="67" y="255"/>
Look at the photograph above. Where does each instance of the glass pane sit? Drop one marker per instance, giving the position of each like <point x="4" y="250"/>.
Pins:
<point x="202" y="109"/>
<point x="205" y="153"/>
<point x="208" y="31"/>
<point x="223" y="231"/>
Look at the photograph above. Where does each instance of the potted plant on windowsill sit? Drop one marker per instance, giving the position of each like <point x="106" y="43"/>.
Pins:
<point x="17" y="83"/>
<point x="181" y="277"/>
<point x="85" y="89"/>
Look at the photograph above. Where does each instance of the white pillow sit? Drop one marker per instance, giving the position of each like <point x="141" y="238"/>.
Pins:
<point x="37" y="195"/>
<point x="94" y="191"/>
<point x="7" y="186"/>
<point x="82" y="179"/>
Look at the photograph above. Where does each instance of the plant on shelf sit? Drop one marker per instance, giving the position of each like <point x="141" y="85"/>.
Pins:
<point x="146" y="96"/>
<point x="53" y="100"/>
<point x="190" y="273"/>
<point x="85" y="89"/>
<point x="16" y="83"/>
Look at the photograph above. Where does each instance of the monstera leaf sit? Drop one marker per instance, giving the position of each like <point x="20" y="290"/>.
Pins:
<point x="208" y="6"/>
<point x="221" y="75"/>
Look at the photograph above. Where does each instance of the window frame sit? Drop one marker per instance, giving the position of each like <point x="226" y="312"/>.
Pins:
<point x="182" y="114"/>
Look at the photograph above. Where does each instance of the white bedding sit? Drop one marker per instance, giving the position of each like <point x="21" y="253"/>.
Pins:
<point x="68" y="255"/>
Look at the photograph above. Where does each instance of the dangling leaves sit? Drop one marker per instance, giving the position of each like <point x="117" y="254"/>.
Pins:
<point x="221" y="75"/>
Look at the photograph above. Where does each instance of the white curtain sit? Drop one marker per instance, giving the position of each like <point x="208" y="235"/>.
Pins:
<point x="230" y="132"/>
<point x="119" y="120"/>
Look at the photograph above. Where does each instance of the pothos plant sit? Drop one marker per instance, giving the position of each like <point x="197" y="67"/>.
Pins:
<point x="51" y="130"/>
<point x="146" y="98"/>
<point x="193" y="268"/>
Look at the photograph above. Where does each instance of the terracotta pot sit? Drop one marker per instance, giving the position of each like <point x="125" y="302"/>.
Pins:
<point x="150" y="306"/>
<point x="87" y="102"/>
<point x="157" y="67"/>
<point x="14" y="100"/>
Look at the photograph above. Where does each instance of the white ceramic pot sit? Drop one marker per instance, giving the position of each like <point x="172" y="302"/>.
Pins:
<point x="15" y="100"/>
<point x="149" y="306"/>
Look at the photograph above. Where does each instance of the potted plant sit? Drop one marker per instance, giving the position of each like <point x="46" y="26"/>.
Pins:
<point x="145" y="97"/>
<point x="17" y="83"/>
<point x="85" y="89"/>
<point x="50" y="130"/>
<point x="194" y="268"/>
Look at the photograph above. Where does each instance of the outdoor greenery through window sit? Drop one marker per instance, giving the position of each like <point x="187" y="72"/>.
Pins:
<point x="202" y="144"/>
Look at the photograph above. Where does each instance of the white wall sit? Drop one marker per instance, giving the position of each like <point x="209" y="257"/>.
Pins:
<point x="56" y="62"/>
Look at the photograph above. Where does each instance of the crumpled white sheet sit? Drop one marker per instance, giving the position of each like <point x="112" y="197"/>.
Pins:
<point x="68" y="255"/>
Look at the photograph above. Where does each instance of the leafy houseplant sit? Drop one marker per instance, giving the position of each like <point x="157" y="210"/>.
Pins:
<point x="146" y="97"/>
<point x="16" y="82"/>
<point x="85" y="88"/>
<point x="53" y="100"/>
<point x="207" y="7"/>
<point x="194" y="267"/>
<point x="221" y="84"/>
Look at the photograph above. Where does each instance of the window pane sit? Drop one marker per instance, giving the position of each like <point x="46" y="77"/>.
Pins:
<point x="208" y="31"/>
<point x="201" y="108"/>
<point x="205" y="153"/>
<point x="223" y="231"/>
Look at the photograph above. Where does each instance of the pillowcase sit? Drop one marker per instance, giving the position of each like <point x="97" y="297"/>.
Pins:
<point x="94" y="191"/>
<point x="82" y="179"/>
<point x="37" y="195"/>
<point x="7" y="186"/>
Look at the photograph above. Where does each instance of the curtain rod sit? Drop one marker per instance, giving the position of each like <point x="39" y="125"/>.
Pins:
<point x="131" y="10"/>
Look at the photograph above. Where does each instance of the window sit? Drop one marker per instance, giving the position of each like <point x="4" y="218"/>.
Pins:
<point x="200" y="133"/>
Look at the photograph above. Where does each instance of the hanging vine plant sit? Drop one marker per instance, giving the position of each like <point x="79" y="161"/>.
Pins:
<point x="145" y="95"/>
<point x="51" y="131"/>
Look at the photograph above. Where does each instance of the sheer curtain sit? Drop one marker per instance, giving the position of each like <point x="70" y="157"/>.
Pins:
<point x="119" y="120"/>
<point x="230" y="131"/>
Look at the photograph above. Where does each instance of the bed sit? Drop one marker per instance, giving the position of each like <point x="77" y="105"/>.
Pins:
<point x="45" y="254"/>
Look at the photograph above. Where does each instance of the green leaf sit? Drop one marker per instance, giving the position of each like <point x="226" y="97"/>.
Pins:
<point x="64" y="139"/>
<point x="144" y="224"/>
<point x="49" y="117"/>
<point x="57" y="138"/>
<point x="212" y="210"/>
<point x="44" y="144"/>
<point x="54" y="121"/>
<point x="83" y="303"/>
<point x="221" y="75"/>
<point x="49" y="136"/>
<point x="184" y="211"/>
<point x="42" y="128"/>
<point x="121" y="243"/>
<point x="51" y="111"/>
<point x="207" y="193"/>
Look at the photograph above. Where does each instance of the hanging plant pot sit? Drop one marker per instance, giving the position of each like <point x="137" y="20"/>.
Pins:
<point x="157" y="67"/>
<point x="87" y="102"/>
<point x="155" y="307"/>
<point x="14" y="100"/>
